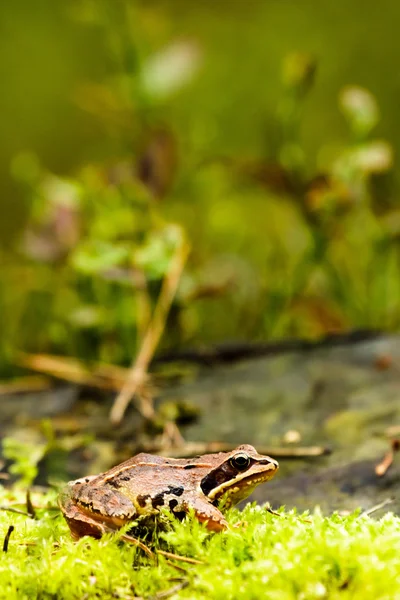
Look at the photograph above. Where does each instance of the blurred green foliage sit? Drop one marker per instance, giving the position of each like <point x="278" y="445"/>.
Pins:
<point x="246" y="128"/>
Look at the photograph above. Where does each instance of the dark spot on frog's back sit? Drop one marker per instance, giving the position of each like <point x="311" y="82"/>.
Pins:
<point x="118" y="482"/>
<point x="175" y="490"/>
<point x="190" y="466"/>
<point x="114" y="483"/>
<point x="142" y="499"/>
<point x="173" y="504"/>
<point x="158" y="500"/>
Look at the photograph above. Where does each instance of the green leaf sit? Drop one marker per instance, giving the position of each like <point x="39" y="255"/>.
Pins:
<point x="155" y="255"/>
<point x="92" y="257"/>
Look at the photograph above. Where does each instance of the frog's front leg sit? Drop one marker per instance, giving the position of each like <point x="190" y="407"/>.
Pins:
<point x="91" y="510"/>
<point x="207" y="513"/>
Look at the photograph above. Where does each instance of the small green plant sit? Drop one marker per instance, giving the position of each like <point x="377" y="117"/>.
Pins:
<point x="25" y="458"/>
<point x="26" y="455"/>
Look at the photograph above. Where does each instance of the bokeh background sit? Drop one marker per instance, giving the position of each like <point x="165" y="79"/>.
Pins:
<point x="261" y="135"/>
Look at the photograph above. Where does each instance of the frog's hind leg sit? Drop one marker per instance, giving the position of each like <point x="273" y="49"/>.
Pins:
<point x="94" y="510"/>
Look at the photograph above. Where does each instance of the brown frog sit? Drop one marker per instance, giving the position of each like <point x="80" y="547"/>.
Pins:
<point x="143" y="485"/>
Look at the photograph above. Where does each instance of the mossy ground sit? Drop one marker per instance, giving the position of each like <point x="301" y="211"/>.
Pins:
<point x="286" y="557"/>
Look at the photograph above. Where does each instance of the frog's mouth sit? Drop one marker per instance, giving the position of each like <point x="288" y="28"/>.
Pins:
<point x="236" y="487"/>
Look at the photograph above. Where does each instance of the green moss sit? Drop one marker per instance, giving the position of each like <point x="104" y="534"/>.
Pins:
<point x="286" y="557"/>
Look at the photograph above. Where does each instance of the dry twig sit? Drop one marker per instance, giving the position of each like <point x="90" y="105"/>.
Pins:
<point x="173" y="590"/>
<point x="105" y="377"/>
<point x="191" y="561"/>
<point x="382" y="468"/>
<point x="29" y="506"/>
<point x="189" y="449"/>
<point x="16" y="511"/>
<point x="7" y="538"/>
<point x="30" y="383"/>
<point x="135" y="542"/>
<point x="138" y="372"/>
<point x="376" y="507"/>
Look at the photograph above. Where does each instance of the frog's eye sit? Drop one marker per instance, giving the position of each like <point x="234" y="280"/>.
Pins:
<point x="240" y="462"/>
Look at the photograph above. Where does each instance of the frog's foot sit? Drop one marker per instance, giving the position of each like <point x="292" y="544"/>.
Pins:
<point x="212" y="524"/>
<point x="207" y="513"/>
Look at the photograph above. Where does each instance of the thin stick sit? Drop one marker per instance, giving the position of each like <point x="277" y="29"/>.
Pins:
<point x="27" y="544"/>
<point x="376" y="507"/>
<point x="29" y="506"/>
<point x="15" y="510"/>
<point x="192" y="561"/>
<point x="173" y="590"/>
<point x="176" y="567"/>
<point x="190" y="449"/>
<point x="297" y="452"/>
<point x="135" y="542"/>
<point x="382" y="468"/>
<point x="153" y="334"/>
<point x="30" y="383"/>
<point x="273" y="512"/>
<point x="71" y="369"/>
<point x="7" y="538"/>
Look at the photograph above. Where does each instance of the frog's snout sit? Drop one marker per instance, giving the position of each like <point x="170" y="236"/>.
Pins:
<point x="274" y="463"/>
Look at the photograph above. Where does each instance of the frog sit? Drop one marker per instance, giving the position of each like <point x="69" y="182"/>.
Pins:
<point x="145" y="485"/>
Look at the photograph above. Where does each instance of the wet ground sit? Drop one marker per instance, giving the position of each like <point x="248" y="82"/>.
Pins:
<point x="343" y="395"/>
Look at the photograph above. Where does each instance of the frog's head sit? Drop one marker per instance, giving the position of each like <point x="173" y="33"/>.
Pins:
<point x="236" y="474"/>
